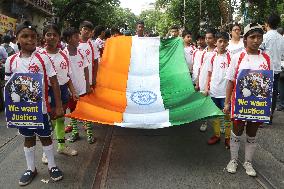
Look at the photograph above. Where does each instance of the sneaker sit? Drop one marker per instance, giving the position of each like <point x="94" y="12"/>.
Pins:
<point x="222" y="130"/>
<point x="232" y="166"/>
<point x="91" y="139"/>
<point x="44" y="159"/>
<point x="74" y="137"/>
<point x="27" y="177"/>
<point x="55" y="174"/>
<point x="203" y="127"/>
<point x="280" y="108"/>
<point x="213" y="140"/>
<point x="68" y="129"/>
<point x="67" y="151"/>
<point x="227" y="143"/>
<point x="249" y="169"/>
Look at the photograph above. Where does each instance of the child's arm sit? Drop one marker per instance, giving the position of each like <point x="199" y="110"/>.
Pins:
<point x="197" y="81"/>
<point x="206" y="93"/>
<point x="72" y="90"/>
<point x="229" y="90"/>
<point x="96" y="66"/>
<point x="56" y="90"/>
<point x="88" y="88"/>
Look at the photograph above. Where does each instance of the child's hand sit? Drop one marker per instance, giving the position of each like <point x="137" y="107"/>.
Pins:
<point x="196" y="88"/>
<point x="226" y="109"/>
<point x="206" y="93"/>
<point x="75" y="96"/>
<point x="89" y="90"/>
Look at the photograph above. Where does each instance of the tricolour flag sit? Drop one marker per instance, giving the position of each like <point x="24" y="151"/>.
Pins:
<point x="144" y="83"/>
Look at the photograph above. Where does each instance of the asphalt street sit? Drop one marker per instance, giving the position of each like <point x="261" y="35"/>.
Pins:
<point x="169" y="158"/>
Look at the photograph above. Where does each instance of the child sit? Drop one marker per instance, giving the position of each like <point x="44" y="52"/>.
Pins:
<point x="29" y="60"/>
<point x="79" y="76"/>
<point x="251" y="58"/>
<point x="188" y="48"/>
<point x="205" y="61"/>
<point x="100" y="36"/>
<point x="61" y="65"/>
<point x="216" y="86"/>
<point x="197" y="55"/>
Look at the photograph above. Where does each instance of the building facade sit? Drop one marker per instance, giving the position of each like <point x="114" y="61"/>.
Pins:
<point x="39" y="12"/>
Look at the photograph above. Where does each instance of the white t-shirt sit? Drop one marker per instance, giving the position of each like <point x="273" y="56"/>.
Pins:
<point x="219" y="67"/>
<point x="188" y="52"/>
<point x="78" y="63"/>
<point x="61" y="66"/>
<point x="89" y="50"/>
<point x="196" y="61"/>
<point x="236" y="48"/>
<point x="31" y="65"/>
<point x="204" y="69"/>
<point x="253" y="62"/>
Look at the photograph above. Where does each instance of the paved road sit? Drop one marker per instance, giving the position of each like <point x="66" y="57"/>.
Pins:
<point x="151" y="159"/>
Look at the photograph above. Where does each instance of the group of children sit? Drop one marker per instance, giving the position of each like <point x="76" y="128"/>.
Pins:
<point x="214" y="67"/>
<point x="70" y="73"/>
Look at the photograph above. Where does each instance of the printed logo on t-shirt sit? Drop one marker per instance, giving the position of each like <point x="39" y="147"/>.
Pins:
<point x="63" y="65"/>
<point x="33" y="68"/>
<point x="263" y="66"/>
<point x="223" y="65"/>
<point x="80" y="63"/>
<point x="88" y="52"/>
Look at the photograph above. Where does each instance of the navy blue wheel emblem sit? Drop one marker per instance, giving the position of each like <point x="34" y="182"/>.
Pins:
<point x="143" y="97"/>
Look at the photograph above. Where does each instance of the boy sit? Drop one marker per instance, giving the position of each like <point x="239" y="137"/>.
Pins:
<point x="99" y="42"/>
<point x="29" y="60"/>
<point x="216" y="86"/>
<point x="205" y="61"/>
<point x="79" y="76"/>
<point x="174" y="31"/>
<point x="188" y="48"/>
<point x="251" y="58"/>
<point x="196" y="57"/>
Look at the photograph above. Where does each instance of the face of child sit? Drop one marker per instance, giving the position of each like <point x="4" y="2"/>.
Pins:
<point x="201" y="42"/>
<point x="86" y="32"/>
<point x="140" y="29"/>
<point x="174" y="32"/>
<point x="253" y="41"/>
<point x="52" y="38"/>
<point x="222" y="45"/>
<point x="187" y="39"/>
<point x="27" y="39"/>
<point x="236" y="32"/>
<point x="210" y="39"/>
<point x="74" y="40"/>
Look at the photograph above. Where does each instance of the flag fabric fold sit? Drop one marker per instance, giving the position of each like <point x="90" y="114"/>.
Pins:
<point x="144" y="83"/>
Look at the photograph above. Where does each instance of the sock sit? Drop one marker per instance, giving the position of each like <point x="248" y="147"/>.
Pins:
<point x="228" y="125"/>
<point x="53" y="124"/>
<point x="30" y="157"/>
<point x="250" y="147"/>
<point x="216" y="122"/>
<point x="60" y="133"/>
<point x="75" y="126"/>
<point x="89" y="128"/>
<point x="234" y="145"/>
<point x="48" y="150"/>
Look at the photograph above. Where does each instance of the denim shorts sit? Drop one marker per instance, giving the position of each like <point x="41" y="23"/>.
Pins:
<point x="45" y="132"/>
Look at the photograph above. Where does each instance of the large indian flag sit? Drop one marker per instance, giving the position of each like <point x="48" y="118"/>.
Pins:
<point x="144" y="83"/>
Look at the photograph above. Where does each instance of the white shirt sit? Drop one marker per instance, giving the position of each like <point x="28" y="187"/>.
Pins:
<point x="236" y="48"/>
<point x="188" y="52"/>
<point x="31" y="65"/>
<point x="196" y="61"/>
<point x="78" y="63"/>
<point x="219" y="67"/>
<point x="15" y="47"/>
<point x="204" y="69"/>
<point x="61" y="66"/>
<point x="89" y="50"/>
<point x="253" y="62"/>
<point x="273" y="45"/>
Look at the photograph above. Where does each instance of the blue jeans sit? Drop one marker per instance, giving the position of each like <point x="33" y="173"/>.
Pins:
<point x="219" y="102"/>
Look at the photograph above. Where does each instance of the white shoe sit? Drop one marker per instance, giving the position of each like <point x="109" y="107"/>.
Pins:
<point x="203" y="127"/>
<point x="232" y="166"/>
<point x="44" y="159"/>
<point x="67" y="151"/>
<point x="249" y="169"/>
<point x="222" y="130"/>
